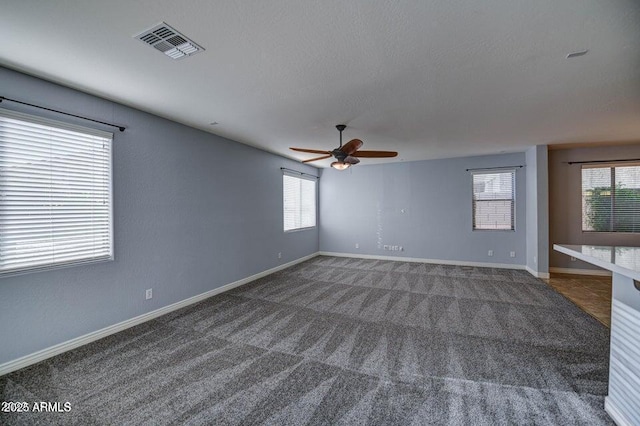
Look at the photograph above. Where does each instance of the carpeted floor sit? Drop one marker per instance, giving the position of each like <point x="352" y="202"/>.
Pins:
<point x="343" y="342"/>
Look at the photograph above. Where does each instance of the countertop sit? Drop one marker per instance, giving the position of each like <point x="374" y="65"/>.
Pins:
<point x="618" y="259"/>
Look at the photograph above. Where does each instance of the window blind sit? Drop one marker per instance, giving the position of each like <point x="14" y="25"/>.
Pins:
<point x="611" y="198"/>
<point x="299" y="204"/>
<point x="494" y="200"/>
<point x="55" y="194"/>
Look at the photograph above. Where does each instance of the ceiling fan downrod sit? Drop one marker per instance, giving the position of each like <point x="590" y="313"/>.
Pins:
<point x="340" y="128"/>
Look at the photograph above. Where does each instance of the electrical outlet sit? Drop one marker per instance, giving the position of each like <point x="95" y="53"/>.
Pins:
<point x="148" y="294"/>
<point x="357" y="245"/>
<point x="490" y="253"/>
<point x="512" y="254"/>
<point x="279" y="255"/>
<point x="573" y="259"/>
<point x="401" y="248"/>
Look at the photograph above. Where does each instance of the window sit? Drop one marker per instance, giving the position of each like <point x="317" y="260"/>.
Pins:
<point x="493" y="200"/>
<point x="299" y="202"/>
<point x="55" y="194"/>
<point x="611" y="198"/>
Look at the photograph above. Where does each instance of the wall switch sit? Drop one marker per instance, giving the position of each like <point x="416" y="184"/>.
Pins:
<point x="357" y="245"/>
<point x="490" y="253"/>
<point x="148" y="294"/>
<point x="535" y="259"/>
<point x="279" y="255"/>
<point x="512" y="254"/>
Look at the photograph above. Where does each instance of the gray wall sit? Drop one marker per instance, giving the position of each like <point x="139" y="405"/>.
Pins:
<point x="364" y="205"/>
<point x="565" y="202"/>
<point x="192" y="212"/>
<point x="537" y="209"/>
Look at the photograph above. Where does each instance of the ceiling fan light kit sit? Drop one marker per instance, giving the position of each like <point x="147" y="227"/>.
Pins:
<point x="340" y="165"/>
<point x="346" y="155"/>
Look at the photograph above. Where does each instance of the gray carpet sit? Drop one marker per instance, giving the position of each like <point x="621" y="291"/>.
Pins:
<point x="343" y="342"/>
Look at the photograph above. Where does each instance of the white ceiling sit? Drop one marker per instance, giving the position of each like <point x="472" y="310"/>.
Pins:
<point x="428" y="78"/>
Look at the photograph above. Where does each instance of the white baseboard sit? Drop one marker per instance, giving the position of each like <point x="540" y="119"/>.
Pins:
<point x="596" y="272"/>
<point x="615" y="413"/>
<point x="420" y="260"/>
<point x="51" y="351"/>
<point x="544" y="275"/>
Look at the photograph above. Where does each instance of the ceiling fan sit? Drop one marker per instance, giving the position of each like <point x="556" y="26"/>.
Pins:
<point x="346" y="155"/>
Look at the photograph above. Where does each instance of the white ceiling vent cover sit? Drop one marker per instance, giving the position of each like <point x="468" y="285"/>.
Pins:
<point x="169" y="41"/>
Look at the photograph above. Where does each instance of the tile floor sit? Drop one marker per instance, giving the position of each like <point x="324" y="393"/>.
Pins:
<point x="592" y="294"/>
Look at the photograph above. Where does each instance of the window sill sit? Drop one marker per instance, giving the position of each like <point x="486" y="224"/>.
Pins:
<point x="300" y="229"/>
<point x="54" y="267"/>
<point x="610" y="232"/>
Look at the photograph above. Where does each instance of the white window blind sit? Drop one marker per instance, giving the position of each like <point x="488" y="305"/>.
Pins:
<point x="611" y="198"/>
<point x="299" y="196"/>
<point x="55" y="194"/>
<point x="494" y="200"/>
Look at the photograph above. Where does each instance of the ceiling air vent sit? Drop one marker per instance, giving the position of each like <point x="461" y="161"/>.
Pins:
<point x="169" y="41"/>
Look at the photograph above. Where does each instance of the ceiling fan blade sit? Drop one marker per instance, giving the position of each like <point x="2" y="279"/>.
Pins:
<point x="351" y="160"/>
<point x="318" y="158"/>
<point x="352" y="146"/>
<point x="312" y="151"/>
<point x="374" y="154"/>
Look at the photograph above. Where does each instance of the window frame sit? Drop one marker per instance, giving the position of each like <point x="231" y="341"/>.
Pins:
<point x="38" y="120"/>
<point x="513" y="172"/>
<point x="611" y="165"/>
<point x="301" y="177"/>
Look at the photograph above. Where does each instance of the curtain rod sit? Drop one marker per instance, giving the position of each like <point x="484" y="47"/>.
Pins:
<point x="602" y="161"/>
<point x="295" y="171"/>
<point x="496" y="168"/>
<point x="2" y="98"/>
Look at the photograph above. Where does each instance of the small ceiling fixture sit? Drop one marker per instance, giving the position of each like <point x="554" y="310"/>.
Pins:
<point x="347" y="154"/>
<point x="576" y="54"/>
<point x="169" y="41"/>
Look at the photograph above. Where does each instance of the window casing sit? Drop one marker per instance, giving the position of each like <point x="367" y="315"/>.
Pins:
<point x="611" y="198"/>
<point x="55" y="194"/>
<point x="299" y="202"/>
<point x="494" y="200"/>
